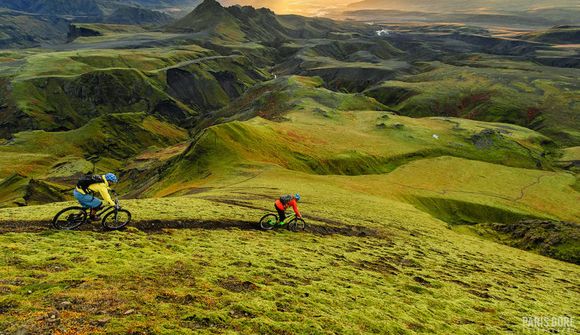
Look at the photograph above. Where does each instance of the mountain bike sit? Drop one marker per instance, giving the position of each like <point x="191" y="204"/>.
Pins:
<point x="114" y="217"/>
<point x="293" y="223"/>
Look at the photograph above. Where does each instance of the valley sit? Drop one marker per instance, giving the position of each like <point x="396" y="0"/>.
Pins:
<point x="438" y="163"/>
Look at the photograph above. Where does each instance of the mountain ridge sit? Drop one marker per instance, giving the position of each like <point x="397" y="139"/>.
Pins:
<point x="246" y="23"/>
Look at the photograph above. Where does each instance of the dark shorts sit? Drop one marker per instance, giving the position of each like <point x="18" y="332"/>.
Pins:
<point x="281" y="213"/>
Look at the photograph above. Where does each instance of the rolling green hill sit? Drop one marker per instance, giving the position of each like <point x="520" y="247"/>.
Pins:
<point x="438" y="165"/>
<point x="491" y="89"/>
<point x="172" y="83"/>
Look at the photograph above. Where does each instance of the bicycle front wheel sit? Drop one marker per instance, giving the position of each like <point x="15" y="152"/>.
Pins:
<point x="268" y="221"/>
<point x="117" y="219"/>
<point x="297" y="225"/>
<point x="69" y="218"/>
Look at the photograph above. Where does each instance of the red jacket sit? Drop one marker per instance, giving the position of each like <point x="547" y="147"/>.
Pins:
<point x="292" y="203"/>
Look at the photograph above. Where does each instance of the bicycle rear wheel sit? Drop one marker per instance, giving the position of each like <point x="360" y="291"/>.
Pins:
<point x="116" y="220"/>
<point x="70" y="218"/>
<point x="296" y="225"/>
<point x="268" y="221"/>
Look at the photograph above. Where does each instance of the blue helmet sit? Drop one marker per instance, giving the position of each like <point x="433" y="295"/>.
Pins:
<point x="297" y="197"/>
<point x="111" y="177"/>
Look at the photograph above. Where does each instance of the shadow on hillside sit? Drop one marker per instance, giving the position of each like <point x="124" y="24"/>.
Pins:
<point x="153" y="226"/>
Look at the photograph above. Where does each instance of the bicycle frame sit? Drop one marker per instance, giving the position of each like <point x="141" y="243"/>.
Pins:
<point x="107" y="209"/>
<point x="288" y="218"/>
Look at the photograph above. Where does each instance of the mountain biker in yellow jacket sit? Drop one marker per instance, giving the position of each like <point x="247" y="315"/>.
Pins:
<point x="87" y="187"/>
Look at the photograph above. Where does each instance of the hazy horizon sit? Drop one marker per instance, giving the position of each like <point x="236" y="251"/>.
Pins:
<point x="329" y="7"/>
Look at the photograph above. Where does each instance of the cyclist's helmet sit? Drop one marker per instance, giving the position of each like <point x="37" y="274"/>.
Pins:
<point x="297" y="197"/>
<point x="111" y="177"/>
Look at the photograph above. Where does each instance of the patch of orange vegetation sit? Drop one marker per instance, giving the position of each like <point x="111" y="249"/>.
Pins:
<point x="532" y="113"/>
<point x="165" y="153"/>
<point x="79" y="330"/>
<point x="295" y="136"/>
<point x="67" y="323"/>
<point x="208" y="302"/>
<point x="178" y="187"/>
<point x="155" y="126"/>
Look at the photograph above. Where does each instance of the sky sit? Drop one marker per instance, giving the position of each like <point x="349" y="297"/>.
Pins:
<point x="303" y="7"/>
<point x="327" y="7"/>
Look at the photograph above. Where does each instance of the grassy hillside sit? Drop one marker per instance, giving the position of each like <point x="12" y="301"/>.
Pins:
<point x="55" y="159"/>
<point x="412" y="273"/>
<point x="64" y="90"/>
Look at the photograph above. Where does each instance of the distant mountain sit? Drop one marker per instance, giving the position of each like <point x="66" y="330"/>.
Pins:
<point x="212" y="18"/>
<point x="55" y="7"/>
<point x="163" y="3"/>
<point x="114" y="11"/>
<point x="21" y="30"/>
<point x="556" y="35"/>
<point x="472" y="6"/>
<point x="29" y="23"/>
<point x="543" y="18"/>
<point x="237" y="23"/>
<point x="137" y="16"/>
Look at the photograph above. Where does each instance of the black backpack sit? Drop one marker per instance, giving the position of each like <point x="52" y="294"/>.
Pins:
<point x="285" y="199"/>
<point x="88" y="180"/>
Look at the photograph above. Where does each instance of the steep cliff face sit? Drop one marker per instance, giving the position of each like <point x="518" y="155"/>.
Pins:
<point x="76" y="31"/>
<point x="212" y="83"/>
<point x="65" y="103"/>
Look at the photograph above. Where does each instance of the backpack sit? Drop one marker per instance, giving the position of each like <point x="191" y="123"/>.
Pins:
<point x="285" y="199"/>
<point x="88" y="180"/>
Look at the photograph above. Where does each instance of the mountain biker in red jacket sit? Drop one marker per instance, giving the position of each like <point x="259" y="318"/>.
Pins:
<point x="286" y="201"/>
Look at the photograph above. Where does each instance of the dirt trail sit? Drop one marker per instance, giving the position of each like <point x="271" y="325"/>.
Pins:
<point x="153" y="226"/>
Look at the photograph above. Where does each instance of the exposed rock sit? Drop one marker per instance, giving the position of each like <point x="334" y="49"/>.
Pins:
<point x="560" y="240"/>
<point x="485" y="139"/>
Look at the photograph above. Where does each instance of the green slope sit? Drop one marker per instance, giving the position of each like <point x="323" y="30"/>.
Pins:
<point x="64" y="90"/>
<point x="496" y="90"/>
<point x="407" y="271"/>
<point x="59" y="157"/>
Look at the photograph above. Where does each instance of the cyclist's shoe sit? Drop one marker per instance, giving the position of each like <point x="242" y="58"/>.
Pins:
<point x="95" y="218"/>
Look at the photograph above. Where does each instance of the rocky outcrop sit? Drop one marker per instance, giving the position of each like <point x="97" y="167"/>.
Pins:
<point x="76" y="31"/>
<point x="560" y="240"/>
<point x="19" y="190"/>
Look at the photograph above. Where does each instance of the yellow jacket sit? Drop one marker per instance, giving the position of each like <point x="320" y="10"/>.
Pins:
<point x="102" y="189"/>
